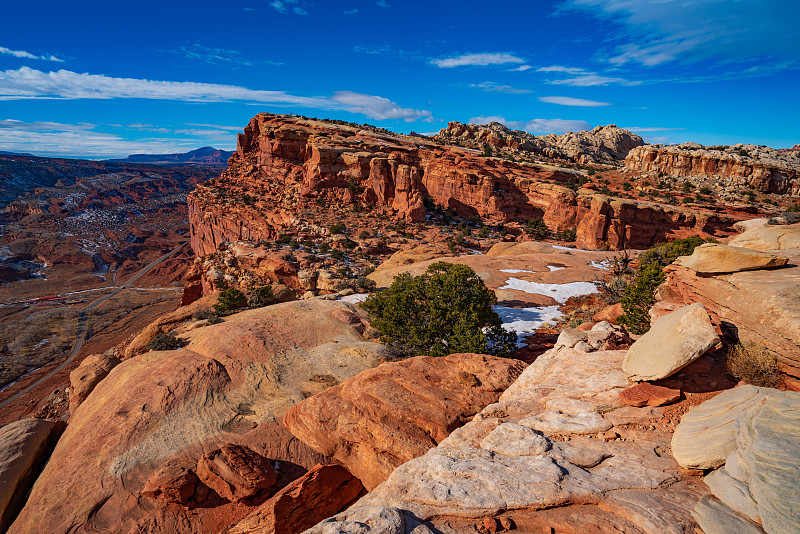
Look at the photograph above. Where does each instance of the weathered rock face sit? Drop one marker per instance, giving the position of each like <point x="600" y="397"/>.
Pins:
<point x="779" y="237"/>
<point x="282" y="163"/>
<point x="761" y="307"/>
<point x="547" y="481"/>
<point x="89" y="373"/>
<point x="109" y="471"/>
<point x="236" y="472"/>
<point x="322" y="492"/>
<point x="750" y="433"/>
<point x="603" y="144"/>
<point x="24" y="447"/>
<point x="386" y="416"/>
<point x="766" y="169"/>
<point x="674" y="341"/>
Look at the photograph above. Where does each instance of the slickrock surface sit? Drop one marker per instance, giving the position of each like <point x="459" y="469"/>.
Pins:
<point x="580" y="483"/>
<point x="714" y="258"/>
<point x="778" y="237"/>
<point x="674" y="341"/>
<point x="320" y="493"/>
<point x="225" y="386"/>
<point x="395" y="412"/>
<point x="602" y="144"/>
<point x="89" y="373"/>
<point x="760" y="307"/>
<point x="24" y="447"/>
<point x="751" y="434"/>
<point x="647" y="394"/>
<point x="286" y="167"/>
<point x="765" y="169"/>
<point x="236" y="472"/>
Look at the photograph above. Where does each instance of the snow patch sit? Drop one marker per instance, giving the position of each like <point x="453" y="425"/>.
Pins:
<point x="554" y="268"/>
<point x="560" y="292"/>
<point x="514" y="271"/>
<point x="355" y="298"/>
<point x="524" y="321"/>
<point x="600" y="264"/>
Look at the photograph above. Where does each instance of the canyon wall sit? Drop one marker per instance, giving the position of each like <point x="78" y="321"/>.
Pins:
<point x="287" y="169"/>
<point x="764" y="169"/>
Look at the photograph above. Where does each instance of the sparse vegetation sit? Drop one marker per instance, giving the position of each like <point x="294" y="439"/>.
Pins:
<point x="229" y="300"/>
<point x="337" y="228"/>
<point x="261" y="297"/>
<point x="537" y="228"/>
<point x="166" y="342"/>
<point x="754" y="365"/>
<point x="446" y="310"/>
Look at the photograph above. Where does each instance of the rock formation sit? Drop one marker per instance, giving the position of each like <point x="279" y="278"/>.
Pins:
<point x="715" y="258"/>
<point x="386" y="416"/>
<point x="129" y="457"/>
<point x="285" y="166"/>
<point x="765" y="169"/>
<point x="602" y="144"/>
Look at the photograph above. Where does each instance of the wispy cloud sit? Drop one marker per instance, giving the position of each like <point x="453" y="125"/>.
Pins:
<point x="378" y="107"/>
<point x="218" y="56"/>
<point x="496" y="88"/>
<point x="22" y="54"/>
<point x="579" y="77"/>
<point x="479" y="60"/>
<point x="660" y="32"/>
<point x="540" y="126"/>
<point x="651" y="129"/>
<point x="569" y="101"/>
<point x="350" y="12"/>
<point x="381" y="3"/>
<point x="288" y="6"/>
<point x="521" y="68"/>
<point x="26" y="83"/>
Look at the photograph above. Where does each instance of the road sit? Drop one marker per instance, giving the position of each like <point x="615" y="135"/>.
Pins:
<point x="82" y="324"/>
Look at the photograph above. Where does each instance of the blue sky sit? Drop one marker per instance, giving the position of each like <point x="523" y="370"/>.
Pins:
<point x="106" y="79"/>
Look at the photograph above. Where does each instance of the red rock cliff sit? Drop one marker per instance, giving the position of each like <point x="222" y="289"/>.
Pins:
<point x="286" y="167"/>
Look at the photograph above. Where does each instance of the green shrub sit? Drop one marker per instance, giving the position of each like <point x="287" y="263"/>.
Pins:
<point x="483" y="232"/>
<point x="261" y="297"/>
<point x="627" y="186"/>
<point x="639" y="296"/>
<point x="324" y="248"/>
<point x="365" y="285"/>
<point x="229" y="300"/>
<point x="337" y="228"/>
<point x="446" y="310"/>
<point x="364" y="234"/>
<point x="537" y="228"/>
<point x="166" y="342"/>
<point x="337" y="254"/>
<point x="285" y="239"/>
<point x="204" y="314"/>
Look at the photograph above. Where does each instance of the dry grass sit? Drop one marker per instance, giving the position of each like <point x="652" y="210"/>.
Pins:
<point x="754" y="365"/>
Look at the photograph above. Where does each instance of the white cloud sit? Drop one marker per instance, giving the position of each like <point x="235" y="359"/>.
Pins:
<point x="287" y="6"/>
<point x="381" y="3"/>
<point x="521" y="68"/>
<point x="581" y="77"/>
<point x="495" y="88"/>
<point x="27" y="83"/>
<point x="560" y="68"/>
<point x="481" y="60"/>
<point x="378" y="107"/>
<point x="350" y="12"/>
<point x="541" y="126"/>
<point x="27" y="55"/>
<point x="569" y="101"/>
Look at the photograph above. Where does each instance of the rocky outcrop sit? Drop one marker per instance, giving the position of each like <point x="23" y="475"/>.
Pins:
<point x="674" y="341"/>
<point x="286" y="167"/>
<point x="765" y="169"/>
<point x="750" y="434"/>
<point x="236" y="472"/>
<point x="779" y="237"/>
<point x="602" y="144"/>
<point x="760" y="307"/>
<point x="715" y="258"/>
<point x="491" y="471"/>
<point x="24" y="448"/>
<point x="111" y="470"/>
<point x="88" y="374"/>
<point x="386" y="416"/>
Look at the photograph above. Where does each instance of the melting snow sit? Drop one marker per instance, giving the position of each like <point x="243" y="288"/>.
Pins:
<point x="514" y="271"/>
<point x="355" y="298"/>
<point x="600" y="264"/>
<point x="560" y="292"/>
<point x="554" y="268"/>
<point x="525" y="320"/>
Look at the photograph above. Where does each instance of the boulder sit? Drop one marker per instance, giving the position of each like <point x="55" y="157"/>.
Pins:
<point x="519" y="249"/>
<point x="386" y="416"/>
<point x="673" y="342"/>
<point x="24" y="448"/>
<point x="778" y="237"/>
<point x="87" y="375"/>
<point x="323" y="491"/>
<point x="647" y="394"/>
<point x="716" y="518"/>
<point x="715" y="258"/>
<point x="236" y="472"/>
<point x="174" y="482"/>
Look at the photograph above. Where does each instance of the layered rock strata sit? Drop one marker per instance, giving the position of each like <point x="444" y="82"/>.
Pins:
<point x="765" y="169"/>
<point x="284" y="164"/>
<point x="535" y="460"/>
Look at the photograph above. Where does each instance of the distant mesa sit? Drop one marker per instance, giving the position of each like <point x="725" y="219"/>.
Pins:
<point x="205" y="156"/>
